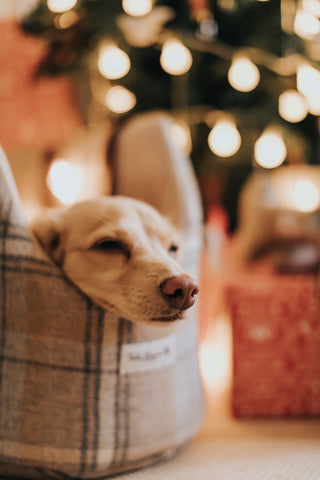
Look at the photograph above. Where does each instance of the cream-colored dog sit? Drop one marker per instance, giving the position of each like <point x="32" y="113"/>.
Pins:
<point x="122" y="254"/>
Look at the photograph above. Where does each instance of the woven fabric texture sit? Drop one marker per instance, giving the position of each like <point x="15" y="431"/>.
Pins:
<point x="259" y="450"/>
<point x="70" y="407"/>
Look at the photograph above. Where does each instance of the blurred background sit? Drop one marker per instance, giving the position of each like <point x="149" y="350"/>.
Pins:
<point x="240" y="79"/>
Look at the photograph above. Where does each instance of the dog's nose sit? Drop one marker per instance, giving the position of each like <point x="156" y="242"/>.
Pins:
<point x="179" y="291"/>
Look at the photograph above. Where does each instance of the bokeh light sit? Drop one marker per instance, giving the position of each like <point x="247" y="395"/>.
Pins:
<point x="270" y="150"/>
<point x="306" y="196"/>
<point x="243" y="74"/>
<point x="224" y="139"/>
<point x="292" y="106"/>
<point x="113" y="63"/>
<point x="119" y="99"/>
<point x="58" y="6"/>
<point x="182" y="137"/>
<point x="175" y="58"/>
<point x="137" y="8"/>
<point x="65" y="181"/>
<point x="306" y="25"/>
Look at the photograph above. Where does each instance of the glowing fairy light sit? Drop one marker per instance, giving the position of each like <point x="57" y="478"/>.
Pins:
<point x="113" y="63"/>
<point x="224" y="139"/>
<point x="243" y="75"/>
<point x="306" y="25"/>
<point x="175" y="58"/>
<point x="308" y="84"/>
<point x="311" y="6"/>
<point x="181" y="135"/>
<point x="137" y="8"/>
<point x="270" y="150"/>
<point x="308" y="79"/>
<point x="58" y="6"/>
<point x="292" y="106"/>
<point x="65" y="181"/>
<point x="313" y="102"/>
<point x="120" y="100"/>
<point x="306" y="196"/>
<point x="66" y="19"/>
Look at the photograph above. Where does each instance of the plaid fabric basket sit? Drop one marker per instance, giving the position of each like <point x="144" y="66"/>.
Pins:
<point x="83" y="393"/>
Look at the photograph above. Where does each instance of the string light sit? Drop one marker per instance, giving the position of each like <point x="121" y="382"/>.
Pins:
<point x="181" y="135"/>
<point x="59" y="6"/>
<point x="65" y="181"/>
<point x="308" y="79"/>
<point x="137" y="8"/>
<point x="308" y="84"/>
<point x="313" y="102"/>
<point x="224" y="139"/>
<point x="66" y="19"/>
<point x="243" y="75"/>
<point x="306" y="196"/>
<point x="119" y="99"/>
<point x="306" y="25"/>
<point x="292" y="106"/>
<point x="311" y="6"/>
<point x="270" y="150"/>
<point x="175" y="58"/>
<point x="113" y="63"/>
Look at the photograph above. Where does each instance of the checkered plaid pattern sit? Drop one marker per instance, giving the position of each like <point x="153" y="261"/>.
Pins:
<point x="68" y="409"/>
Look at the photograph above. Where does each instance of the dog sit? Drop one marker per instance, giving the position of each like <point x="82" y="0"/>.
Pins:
<point x="122" y="254"/>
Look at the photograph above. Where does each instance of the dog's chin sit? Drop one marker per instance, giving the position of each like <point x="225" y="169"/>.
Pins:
<point x="157" y="320"/>
<point x="168" y="318"/>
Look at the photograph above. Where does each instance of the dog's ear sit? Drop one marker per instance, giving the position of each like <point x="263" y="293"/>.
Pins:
<point x="48" y="232"/>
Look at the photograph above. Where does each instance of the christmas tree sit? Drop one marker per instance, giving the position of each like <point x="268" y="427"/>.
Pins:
<point x="239" y="77"/>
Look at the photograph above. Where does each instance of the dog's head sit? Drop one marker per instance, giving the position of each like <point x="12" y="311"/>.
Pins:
<point x="121" y="253"/>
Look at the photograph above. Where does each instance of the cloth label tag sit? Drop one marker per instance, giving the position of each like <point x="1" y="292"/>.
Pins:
<point x="148" y="356"/>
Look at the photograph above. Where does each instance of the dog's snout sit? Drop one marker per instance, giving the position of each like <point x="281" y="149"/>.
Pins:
<point x="179" y="291"/>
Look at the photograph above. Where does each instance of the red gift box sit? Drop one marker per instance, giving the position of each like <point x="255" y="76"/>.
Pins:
<point x="276" y="342"/>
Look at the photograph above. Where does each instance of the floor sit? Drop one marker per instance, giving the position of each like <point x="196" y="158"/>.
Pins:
<point x="256" y="450"/>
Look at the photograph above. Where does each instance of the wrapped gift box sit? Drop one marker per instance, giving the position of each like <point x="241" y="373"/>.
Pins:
<point x="276" y="342"/>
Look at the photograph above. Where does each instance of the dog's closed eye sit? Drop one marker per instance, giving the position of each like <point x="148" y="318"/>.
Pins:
<point x="112" y="246"/>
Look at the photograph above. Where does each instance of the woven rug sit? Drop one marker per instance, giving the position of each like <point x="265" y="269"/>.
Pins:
<point x="231" y="449"/>
<point x="255" y="451"/>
